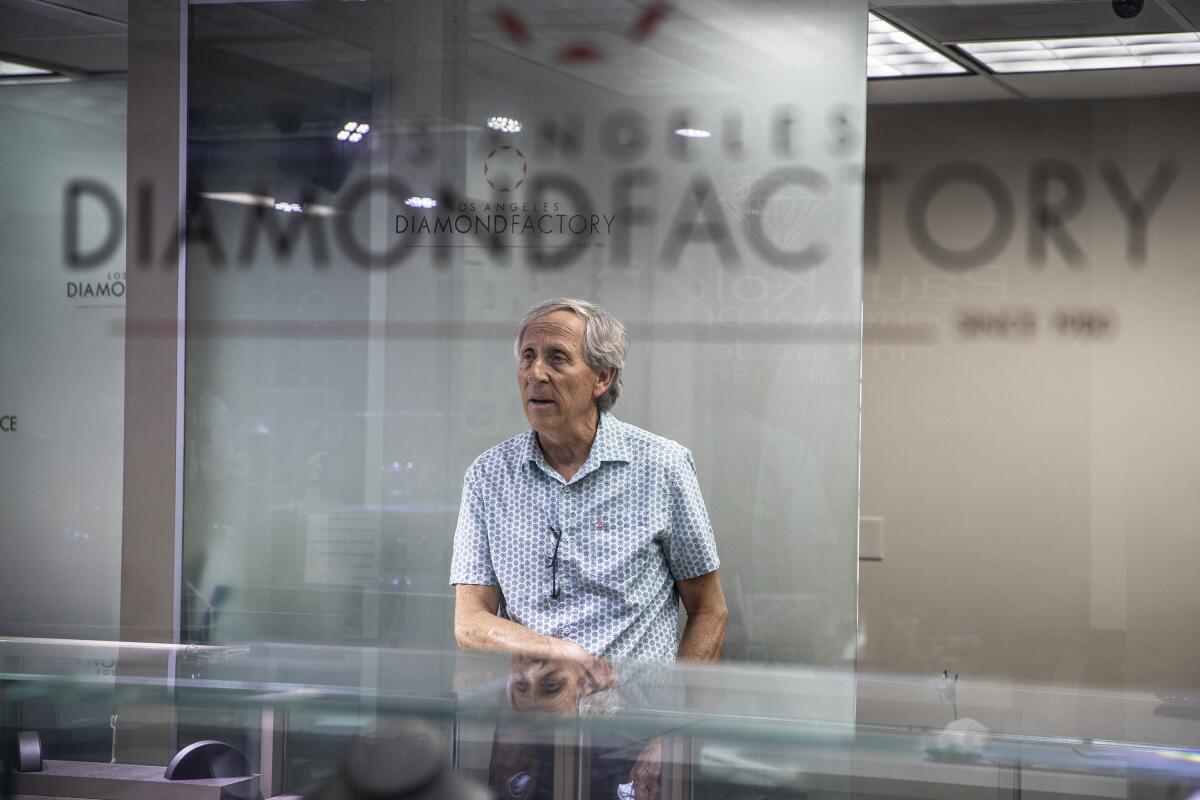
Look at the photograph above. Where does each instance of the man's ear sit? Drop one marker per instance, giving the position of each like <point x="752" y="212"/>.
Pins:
<point x="604" y="379"/>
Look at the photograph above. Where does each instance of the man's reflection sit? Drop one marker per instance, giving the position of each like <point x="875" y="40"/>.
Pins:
<point x="556" y="686"/>
<point x="616" y="764"/>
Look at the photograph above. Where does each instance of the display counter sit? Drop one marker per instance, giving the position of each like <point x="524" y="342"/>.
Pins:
<point x="306" y="718"/>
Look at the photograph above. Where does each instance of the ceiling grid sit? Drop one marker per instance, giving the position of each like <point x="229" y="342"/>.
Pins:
<point x="84" y="38"/>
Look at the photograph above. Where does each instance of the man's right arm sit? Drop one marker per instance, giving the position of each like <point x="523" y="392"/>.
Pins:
<point x="477" y="627"/>
<point x="477" y="595"/>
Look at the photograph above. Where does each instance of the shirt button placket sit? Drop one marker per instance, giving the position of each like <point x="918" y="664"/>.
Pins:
<point x="564" y="516"/>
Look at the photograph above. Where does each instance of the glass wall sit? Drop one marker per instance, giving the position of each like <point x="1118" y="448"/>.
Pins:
<point x="62" y="352"/>
<point x="353" y="291"/>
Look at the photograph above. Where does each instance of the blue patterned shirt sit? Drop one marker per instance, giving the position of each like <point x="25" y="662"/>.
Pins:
<point x="632" y="522"/>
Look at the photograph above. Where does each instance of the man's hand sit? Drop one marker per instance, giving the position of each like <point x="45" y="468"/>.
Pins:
<point x="646" y="775"/>
<point x="600" y="673"/>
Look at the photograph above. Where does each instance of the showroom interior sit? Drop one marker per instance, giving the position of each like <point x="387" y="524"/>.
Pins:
<point x="910" y="279"/>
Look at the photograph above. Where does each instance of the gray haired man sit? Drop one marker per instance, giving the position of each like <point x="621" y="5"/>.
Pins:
<point x="588" y="529"/>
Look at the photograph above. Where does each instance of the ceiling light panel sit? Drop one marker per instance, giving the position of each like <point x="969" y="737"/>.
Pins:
<point x="892" y="53"/>
<point x="1087" y="52"/>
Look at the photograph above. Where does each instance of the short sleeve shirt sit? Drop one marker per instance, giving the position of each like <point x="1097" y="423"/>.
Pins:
<point x="631" y="523"/>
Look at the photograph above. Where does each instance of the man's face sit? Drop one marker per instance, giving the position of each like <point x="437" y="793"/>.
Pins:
<point x="558" y="388"/>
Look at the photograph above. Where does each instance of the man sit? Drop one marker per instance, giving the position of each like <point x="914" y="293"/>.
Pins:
<point x="587" y="529"/>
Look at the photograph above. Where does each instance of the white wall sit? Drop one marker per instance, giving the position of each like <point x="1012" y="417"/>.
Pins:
<point x="1037" y="485"/>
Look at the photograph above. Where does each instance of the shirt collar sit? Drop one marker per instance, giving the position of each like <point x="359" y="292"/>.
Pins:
<point x="609" y="445"/>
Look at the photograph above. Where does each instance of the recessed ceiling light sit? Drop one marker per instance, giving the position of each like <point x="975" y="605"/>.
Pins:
<point x="1087" y="52"/>
<point x="692" y="133"/>
<point x="504" y="124"/>
<point x="892" y="53"/>
<point x="420" y="202"/>
<point x="353" y="131"/>
<point x="289" y="208"/>
<point x="12" y="69"/>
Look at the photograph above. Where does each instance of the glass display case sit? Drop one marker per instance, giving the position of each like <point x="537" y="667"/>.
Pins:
<point x="344" y="722"/>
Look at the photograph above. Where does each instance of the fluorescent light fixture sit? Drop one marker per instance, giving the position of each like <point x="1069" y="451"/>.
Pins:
<point x="420" y="202"/>
<point x="892" y="53"/>
<point x="242" y="198"/>
<point x="12" y="69"/>
<point x="248" y="199"/>
<point x="1087" y="52"/>
<point x="692" y="133"/>
<point x="504" y="124"/>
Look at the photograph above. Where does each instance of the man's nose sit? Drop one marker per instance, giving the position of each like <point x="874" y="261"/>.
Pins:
<point x="537" y="370"/>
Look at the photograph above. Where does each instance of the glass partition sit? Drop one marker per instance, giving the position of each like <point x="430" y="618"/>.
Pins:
<point x="379" y="190"/>
<point x="62" y="314"/>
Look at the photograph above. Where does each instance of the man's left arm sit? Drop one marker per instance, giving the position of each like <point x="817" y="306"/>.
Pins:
<point x="691" y="552"/>
<point x="704" y="634"/>
<point x="703" y="638"/>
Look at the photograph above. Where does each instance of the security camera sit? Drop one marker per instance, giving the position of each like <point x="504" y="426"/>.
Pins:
<point x="1127" y="9"/>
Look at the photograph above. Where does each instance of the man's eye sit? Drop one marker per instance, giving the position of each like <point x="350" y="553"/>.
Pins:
<point x="552" y="687"/>
<point x="521" y="686"/>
